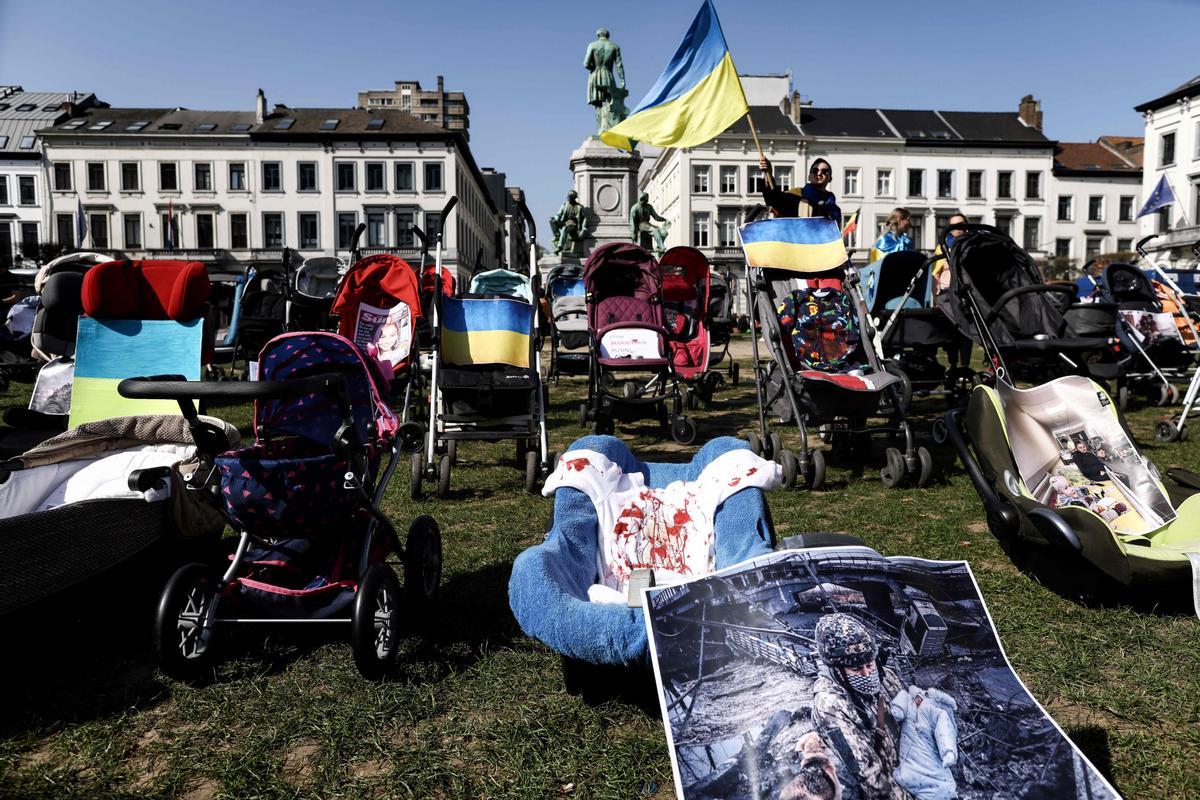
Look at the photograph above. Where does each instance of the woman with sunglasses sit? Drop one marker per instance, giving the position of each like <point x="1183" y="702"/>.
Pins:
<point x="815" y="193"/>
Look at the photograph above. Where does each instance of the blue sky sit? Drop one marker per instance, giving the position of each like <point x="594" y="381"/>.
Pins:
<point x="520" y="63"/>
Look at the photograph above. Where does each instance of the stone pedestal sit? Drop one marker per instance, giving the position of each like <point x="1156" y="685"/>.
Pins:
<point x="607" y="182"/>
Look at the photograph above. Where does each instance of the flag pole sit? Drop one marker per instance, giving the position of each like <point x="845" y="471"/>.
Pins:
<point x="758" y="146"/>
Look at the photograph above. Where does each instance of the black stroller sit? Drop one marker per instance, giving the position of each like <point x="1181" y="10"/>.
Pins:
<point x="568" y="321"/>
<point x="720" y="322"/>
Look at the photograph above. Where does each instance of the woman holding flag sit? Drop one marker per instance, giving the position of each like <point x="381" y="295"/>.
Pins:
<point x="815" y="193"/>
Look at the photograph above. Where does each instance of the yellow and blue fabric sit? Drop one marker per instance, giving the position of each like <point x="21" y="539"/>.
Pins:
<point x="486" y="331"/>
<point x="799" y="244"/>
<point x="108" y="351"/>
<point x="697" y="97"/>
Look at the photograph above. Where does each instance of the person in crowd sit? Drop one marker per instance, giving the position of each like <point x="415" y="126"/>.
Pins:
<point x="960" y="353"/>
<point x="895" y="238"/>
<point x="815" y="192"/>
<point x="1087" y="286"/>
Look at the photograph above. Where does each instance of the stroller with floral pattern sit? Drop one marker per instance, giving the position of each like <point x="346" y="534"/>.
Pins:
<point x="305" y="500"/>
<point x="823" y="368"/>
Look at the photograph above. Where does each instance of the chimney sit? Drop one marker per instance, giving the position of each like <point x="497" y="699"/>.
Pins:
<point x="441" y="84"/>
<point x="795" y="106"/>
<point x="260" y="106"/>
<point x="1030" y="112"/>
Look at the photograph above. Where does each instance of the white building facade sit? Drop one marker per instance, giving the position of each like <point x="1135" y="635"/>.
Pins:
<point x="243" y="185"/>
<point x="1097" y="193"/>
<point x="1173" y="151"/>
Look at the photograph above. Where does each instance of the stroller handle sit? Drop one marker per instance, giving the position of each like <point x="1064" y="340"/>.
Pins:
<point x="528" y="215"/>
<point x="1140" y="247"/>
<point x="174" y="387"/>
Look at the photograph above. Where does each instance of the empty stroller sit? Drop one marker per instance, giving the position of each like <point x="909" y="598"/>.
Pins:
<point x="823" y="368"/>
<point x="568" y="321"/>
<point x="720" y="322"/>
<point x="313" y="288"/>
<point x="627" y="339"/>
<point x="304" y="498"/>
<point x="686" y="295"/>
<point x="997" y="294"/>
<point x="485" y="376"/>
<point x="430" y="281"/>
<point x="909" y="331"/>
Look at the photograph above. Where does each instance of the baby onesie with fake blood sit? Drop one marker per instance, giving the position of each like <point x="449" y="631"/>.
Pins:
<point x="668" y="529"/>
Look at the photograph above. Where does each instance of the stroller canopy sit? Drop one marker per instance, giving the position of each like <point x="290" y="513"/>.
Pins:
<point x="621" y="269"/>
<point x="378" y="303"/>
<point x="684" y="269"/>
<point x="564" y="280"/>
<point x="1130" y="288"/>
<point x="502" y="282"/>
<point x="885" y="281"/>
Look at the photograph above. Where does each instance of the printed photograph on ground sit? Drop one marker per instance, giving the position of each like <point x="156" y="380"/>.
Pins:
<point x="840" y="674"/>
<point x="1072" y="451"/>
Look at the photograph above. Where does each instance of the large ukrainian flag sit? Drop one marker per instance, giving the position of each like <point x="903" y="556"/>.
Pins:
<point x="491" y="331"/>
<point x="800" y="244"/>
<point x="697" y="97"/>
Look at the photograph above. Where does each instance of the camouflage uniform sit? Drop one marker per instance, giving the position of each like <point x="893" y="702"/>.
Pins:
<point x="860" y="731"/>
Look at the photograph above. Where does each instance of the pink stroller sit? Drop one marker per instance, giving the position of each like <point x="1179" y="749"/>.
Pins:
<point x="686" y="299"/>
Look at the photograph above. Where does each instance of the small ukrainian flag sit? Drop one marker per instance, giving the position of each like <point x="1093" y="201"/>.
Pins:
<point x="491" y="331"/>
<point x="800" y="244"/>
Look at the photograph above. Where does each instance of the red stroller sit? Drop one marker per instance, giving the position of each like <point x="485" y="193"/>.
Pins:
<point x="687" y="296"/>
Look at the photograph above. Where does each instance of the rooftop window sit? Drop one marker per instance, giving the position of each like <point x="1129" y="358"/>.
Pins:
<point x="285" y="123"/>
<point x="52" y="108"/>
<point x="26" y="143"/>
<point x="240" y="127"/>
<point x="5" y="106"/>
<point x="329" y="124"/>
<point x="206" y="126"/>
<point x="137" y="126"/>
<point x="170" y="126"/>
<point x="74" y="124"/>
<point x="27" y="107"/>
<point x="3" y="141"/>
<point x="375" y="124"/>
<point x="101" y="125"/>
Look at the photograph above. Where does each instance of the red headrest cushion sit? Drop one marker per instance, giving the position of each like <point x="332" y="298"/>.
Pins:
<point x="174" y="290"/>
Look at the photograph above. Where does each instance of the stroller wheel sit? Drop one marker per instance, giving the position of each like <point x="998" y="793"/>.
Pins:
<point x="185" y="634"/>
<point x="1167" y="431"/>
<point x="893" y="473"/>
<point x="1122" y="397"/>
<point x="629" y="390"/>
<point x="452" y="451"/>
<point x="583" y="415"/>
<point x="443" y="490"/>
<point x="683" y="400"/>
<point x="755" y="442"/>
<point x="925" y="460"/>
<point x="422" y="559"/>
<point x="791" y="467"/>
<point x="1173" y="394"/>
<point x="775" y="446"/>
<point x="683" y="430"/>
<point x="734" y="377"/>
<point x="532" y="471"/>
<point x="375" y="623"/>
<point x="417" y="476"/>
<point x="814" y="478"/>
<point x="1159" y="394"/>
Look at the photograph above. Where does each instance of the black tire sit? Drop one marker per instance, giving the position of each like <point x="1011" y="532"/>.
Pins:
<point x="452" y="451"/>
<point x="683" y="430"/>
<point x="734" y="372"/>
<point x="443" y="489"/>
<point x="422" y="559"/>
<point x="1174" y="395"/>
<point x="416" y="477"/>
<point x="774" y="447"/>
<point x="1166" y="431"/>
<point x="532" y="471"/>
<point x="583" y="415"/>
<point x="1159" y="394"/>
<point x="791" y="468"/>
<point x="925" y="462"/>
<point x="892" y="474"/>
<point x="629" y="390"/>
<point x="1122" y="397"/>
<point x="755" y="442"/>
<point x="814" y="478"/>
<point x="376" y="621"/>
<point x="185" y="635"/>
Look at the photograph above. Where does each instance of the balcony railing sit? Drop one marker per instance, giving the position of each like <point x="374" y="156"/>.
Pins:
<point x="1180" y="237"/>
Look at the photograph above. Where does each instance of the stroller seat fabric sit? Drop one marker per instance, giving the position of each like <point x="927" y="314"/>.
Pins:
<point x="175" y="290"/>
<point x="823" y="329"/>
<point x="550" y="582"/>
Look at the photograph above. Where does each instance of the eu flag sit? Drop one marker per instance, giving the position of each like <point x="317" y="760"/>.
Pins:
<point x="1161" y="196"/>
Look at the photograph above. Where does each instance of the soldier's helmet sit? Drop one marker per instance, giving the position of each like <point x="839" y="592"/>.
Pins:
<point x="843" y="641"/>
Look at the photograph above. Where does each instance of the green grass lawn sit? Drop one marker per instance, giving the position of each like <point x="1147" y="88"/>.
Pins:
<point x="477" y="709"/>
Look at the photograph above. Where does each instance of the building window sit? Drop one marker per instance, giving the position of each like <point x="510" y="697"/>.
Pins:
<point x="1004" y="185"/>
<point x="272" y="176"/>
<point x="700" y="224"/>
<point x="273" y="230"/>
<point x="729" y="180"/>
<point x="1033" y="233"/>
<point x="346" y="223"/>
<point x="309" y="231"/>
<point x="170" y="231"/>
<point x="917" y="231"/>
<point x="1062" y="248"/>
<point x="62" y="176"/>
<point x="377" y="227"/>
<point x="1004" y="222"/>
<point x="98" y="230"/>
<point x="433" y="176"/>
<point x="1066" y="208"/>
<point x="132" y="225"/>
<point x="1167" y="156"/>
<point x="433" y="221"/>
<point x="1033" y="185"/>
<point x="26" y="195"/>
<point x="883" y="183"/>
<point x="700" y="179"/>
<point x="168" y="177"/>
<point x="1124" y="245"/>
<point x="916" y="183"/>
<point x="375" y="179"/>
<point x="206" y="236"/>
<point x="237" y="176"/>
<point x="783" y="178"/>
<point x="1095" y="246"/>
<point x="64" y="227"/>
<point x="130" y="180"/>
<point x="203" y="177"/>
<point x="347" y="176"/>
<point x="850" y="183"/>
<point x="1096" y="208"/>
<point x="755" y="183"/>
<point x="29" y="240"/>
<point x="404" y="177"/>
<point x="945" y="187"/>
<point x="306" y="176"/>
<point x="95" y="177"/>
<point x="3" y="190"/>
<point x="1164" y="219"/>
<point x="405" y="219"/>
<point x="727" y="225"/>
<point x="1126" y="209"/>
<point x="239" y="232"/>
<point x="975" y="184"/>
